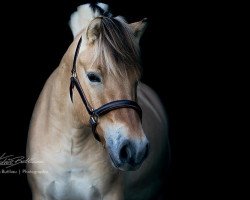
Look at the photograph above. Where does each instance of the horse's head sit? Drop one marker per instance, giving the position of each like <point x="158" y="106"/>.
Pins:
<point x="108" y="69"/>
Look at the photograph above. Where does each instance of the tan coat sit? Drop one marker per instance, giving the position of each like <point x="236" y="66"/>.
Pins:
<point x="75" y="165"/>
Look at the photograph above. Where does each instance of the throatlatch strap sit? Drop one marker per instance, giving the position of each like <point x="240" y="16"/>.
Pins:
<point x="76" y="55"/>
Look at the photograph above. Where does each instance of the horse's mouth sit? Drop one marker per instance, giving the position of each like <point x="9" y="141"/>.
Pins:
<point x="114" y="163"/>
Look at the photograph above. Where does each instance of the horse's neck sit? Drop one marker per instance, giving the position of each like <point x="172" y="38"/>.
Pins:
<point x="54" y="116"/>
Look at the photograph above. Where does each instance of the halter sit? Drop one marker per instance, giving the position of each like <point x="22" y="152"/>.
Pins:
<point x="104" y="109"/>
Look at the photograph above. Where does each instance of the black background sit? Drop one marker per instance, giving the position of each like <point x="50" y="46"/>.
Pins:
<point x="34" y="37"/>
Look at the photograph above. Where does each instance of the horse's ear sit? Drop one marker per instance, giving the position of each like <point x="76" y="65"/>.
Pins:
<point x="138" y="28"/>
<point x="93" y="30"/>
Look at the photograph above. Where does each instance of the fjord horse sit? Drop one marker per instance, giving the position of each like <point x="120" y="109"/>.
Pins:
<point x="94" y="94"/>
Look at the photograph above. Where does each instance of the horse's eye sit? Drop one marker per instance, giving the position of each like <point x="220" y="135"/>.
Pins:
<point x="93" y="77"/>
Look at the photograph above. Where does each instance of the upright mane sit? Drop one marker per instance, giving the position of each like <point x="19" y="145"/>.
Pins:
<point x="116" y="47"/>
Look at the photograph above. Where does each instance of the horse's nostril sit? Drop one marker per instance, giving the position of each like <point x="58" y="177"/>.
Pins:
<point x="125" y="153"/>
<point x="146" y="151"/>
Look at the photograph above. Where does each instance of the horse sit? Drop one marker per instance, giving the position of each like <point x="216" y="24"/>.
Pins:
<point x="97" y="131"/>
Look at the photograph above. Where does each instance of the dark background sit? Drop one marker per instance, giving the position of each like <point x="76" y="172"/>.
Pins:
<point x="34" y="37"/>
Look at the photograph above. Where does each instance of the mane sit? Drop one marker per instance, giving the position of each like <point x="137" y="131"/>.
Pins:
<point x="84" y="14"/>
<point x="116" y="47"/>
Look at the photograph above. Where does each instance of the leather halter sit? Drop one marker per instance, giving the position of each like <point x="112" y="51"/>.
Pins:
<point x="104" y="109"/>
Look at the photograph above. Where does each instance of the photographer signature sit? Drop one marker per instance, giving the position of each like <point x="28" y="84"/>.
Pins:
<point x="11" y="160"/>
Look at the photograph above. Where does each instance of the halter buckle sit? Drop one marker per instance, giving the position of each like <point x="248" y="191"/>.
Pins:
<point x="93" y="120"/>
<point x="73" y="74"/>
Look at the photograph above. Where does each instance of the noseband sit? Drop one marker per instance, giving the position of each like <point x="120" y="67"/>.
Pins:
<point x="104" y="109"/>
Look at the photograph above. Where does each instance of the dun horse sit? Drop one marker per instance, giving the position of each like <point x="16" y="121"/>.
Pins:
<point x="98" y="132"/>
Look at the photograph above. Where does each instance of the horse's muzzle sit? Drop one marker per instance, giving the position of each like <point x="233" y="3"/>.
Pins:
<point x="129" y="154"/>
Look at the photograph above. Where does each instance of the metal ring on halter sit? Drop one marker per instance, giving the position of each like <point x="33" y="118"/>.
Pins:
<point x="93" y="119"/>
<point x="74" y="74"/>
